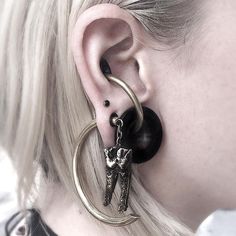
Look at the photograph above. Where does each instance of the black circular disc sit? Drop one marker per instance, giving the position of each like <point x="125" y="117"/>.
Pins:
<point x="145" y="142"/>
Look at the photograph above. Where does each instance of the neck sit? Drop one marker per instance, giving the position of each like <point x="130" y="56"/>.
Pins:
<point x="65" y="217"/>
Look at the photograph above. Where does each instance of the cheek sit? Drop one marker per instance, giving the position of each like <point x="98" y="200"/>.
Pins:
<point x="195" y="169"/>
<point x="199" y="107"/>
<point x="199" y="114"/>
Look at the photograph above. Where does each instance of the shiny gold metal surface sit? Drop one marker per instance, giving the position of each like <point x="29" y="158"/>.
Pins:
<point x="133" y="97"/>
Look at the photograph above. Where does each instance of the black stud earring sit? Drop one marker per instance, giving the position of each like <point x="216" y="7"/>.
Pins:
<point x="147" y="140"/>
<point x="106" y="103"/>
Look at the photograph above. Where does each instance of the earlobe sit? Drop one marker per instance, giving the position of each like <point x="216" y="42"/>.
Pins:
<point x="107" y="31"/>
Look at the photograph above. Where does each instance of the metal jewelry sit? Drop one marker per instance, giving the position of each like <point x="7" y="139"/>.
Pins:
<point x="121" y="154"/>
<point x="138" y="137"/>
<point x="118" y="165"/>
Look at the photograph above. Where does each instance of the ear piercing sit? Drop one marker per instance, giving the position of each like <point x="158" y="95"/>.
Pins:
<point x="138" y="136"/>
<point x="144" y="142"/>
<point x="106" y="103"/>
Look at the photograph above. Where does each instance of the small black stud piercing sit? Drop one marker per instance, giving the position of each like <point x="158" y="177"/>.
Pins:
<point x="106" y="103"/>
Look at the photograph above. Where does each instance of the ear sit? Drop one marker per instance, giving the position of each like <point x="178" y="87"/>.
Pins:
<point x="109" y="32"/>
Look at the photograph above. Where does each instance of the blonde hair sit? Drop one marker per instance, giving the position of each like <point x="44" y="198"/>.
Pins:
<point x="43" y="107"/>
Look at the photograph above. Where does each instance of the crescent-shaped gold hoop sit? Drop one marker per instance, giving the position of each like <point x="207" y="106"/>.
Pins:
<point x="77" y="178"/>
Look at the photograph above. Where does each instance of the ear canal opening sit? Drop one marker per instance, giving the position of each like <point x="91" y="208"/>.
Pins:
<point x="104" y="66"/>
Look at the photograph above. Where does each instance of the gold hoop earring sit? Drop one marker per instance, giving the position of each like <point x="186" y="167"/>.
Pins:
<point x="113" y="221"/>
<point x="133" y="97"/>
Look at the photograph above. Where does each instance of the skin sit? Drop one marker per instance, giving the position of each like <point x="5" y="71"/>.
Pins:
<point x="192" y="89"/>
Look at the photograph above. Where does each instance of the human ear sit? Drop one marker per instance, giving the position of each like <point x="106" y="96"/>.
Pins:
<point x="108" y="32"/>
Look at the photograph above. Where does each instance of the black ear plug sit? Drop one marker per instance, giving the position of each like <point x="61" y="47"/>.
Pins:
<point x="145" y="142"/>
<point x="105" y="68"/>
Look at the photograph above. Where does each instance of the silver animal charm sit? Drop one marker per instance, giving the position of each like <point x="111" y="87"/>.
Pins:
<point x="118" y="164"/>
